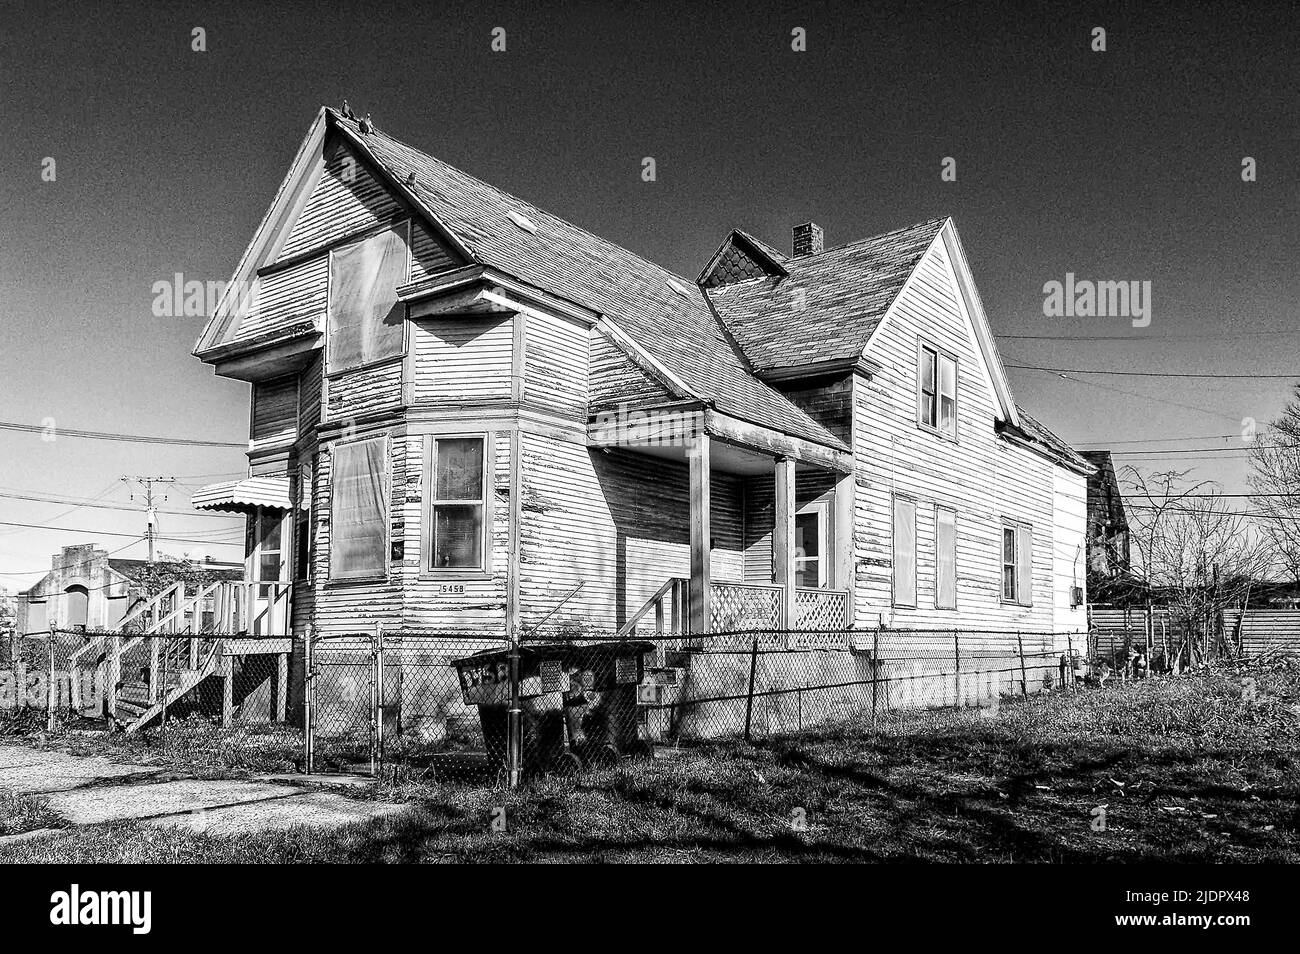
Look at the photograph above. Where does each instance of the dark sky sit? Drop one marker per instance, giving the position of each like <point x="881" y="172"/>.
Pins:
<point x="1123" y="165"/>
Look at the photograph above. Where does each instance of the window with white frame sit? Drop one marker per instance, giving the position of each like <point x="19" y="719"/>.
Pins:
<point x="359" y="509"/>
<point x="810" y="526"/>
<point x="937" y="391"/>
<point x="1017" y="563"/>
<point x="904" y="552"/>
<point x="457" y="468"/>
<point x="945" y="558"/>
<point x="366" y="321"/>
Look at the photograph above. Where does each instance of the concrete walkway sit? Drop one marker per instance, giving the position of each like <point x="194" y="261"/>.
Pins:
<point x="91" y="790"/>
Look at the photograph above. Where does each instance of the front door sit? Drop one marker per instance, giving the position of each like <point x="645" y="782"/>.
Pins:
<point x="267" y="563"/>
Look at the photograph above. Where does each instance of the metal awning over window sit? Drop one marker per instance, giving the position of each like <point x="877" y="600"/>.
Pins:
<point x="242" y="496"/>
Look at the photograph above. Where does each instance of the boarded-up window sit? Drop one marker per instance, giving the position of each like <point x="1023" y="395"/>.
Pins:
<point x="1018" y="564"/>
<point x="365" y="317"/>
<point x="945" y="558"/>
<point x="904" y="552"/>
<point x="275" y="409"/>
<point x="457" y="503"/>
<point x="359" y="509"/>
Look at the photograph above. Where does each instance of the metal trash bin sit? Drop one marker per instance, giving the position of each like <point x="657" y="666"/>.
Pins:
<point x="578" y="702"/>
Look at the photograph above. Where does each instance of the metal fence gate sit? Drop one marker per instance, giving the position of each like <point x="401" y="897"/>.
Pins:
<point x="391" y="704"/>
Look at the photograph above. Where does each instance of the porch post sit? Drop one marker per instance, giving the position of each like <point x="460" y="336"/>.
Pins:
<point x="842" y="528"/>
<point x="783" y="552"/>
<point x="701" y="596"/>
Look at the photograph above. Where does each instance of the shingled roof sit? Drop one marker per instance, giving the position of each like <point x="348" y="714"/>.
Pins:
<point x="662" y="312"/>
<point x="828" y="305"/>
<point x="1038" y="433"/>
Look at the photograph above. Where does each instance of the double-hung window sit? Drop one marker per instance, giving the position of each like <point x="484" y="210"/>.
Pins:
<point x="937" y="391"/>
<point x="457" y="503"/>
<point x="1017" y="563"/>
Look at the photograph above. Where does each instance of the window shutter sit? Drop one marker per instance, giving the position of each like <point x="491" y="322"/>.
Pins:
<point x="1025" y="565"/>
<point x="904" y="552"/>
<point x="945" y="544"/>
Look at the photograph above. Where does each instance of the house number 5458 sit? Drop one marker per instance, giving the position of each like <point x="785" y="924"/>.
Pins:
<point x="452" y="588"/>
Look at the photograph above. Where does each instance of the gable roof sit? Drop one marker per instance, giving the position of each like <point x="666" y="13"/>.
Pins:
<point x="828" y="305"/>
<point x="663" y="313"/>
<point x="739" y="257"/>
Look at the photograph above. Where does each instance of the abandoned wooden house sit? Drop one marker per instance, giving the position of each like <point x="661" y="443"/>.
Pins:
<point x="463" y="407"/>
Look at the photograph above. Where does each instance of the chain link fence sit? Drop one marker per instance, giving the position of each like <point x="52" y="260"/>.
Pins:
<point x="482" y="711"/>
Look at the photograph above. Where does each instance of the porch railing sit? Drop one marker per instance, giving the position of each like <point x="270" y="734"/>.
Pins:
<point x="745" y="606"/>
<point x="820" y="609"/>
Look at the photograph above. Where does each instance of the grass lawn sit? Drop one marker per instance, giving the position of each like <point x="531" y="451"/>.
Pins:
<point x="1186" y="769"/>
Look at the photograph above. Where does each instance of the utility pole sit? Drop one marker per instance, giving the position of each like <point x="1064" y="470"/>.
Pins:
<point x="151" y="510"/>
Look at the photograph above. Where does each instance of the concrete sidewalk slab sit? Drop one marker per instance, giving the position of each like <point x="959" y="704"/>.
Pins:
<point x="29" y="771"/>
<point x="90" y="790"/>
<point x="120" y="802"/>
<point x="310" y="809"/>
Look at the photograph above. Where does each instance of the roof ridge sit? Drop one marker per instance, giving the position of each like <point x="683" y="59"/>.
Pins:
<point x="872" y="238"/>
<point x="515" y="198"/>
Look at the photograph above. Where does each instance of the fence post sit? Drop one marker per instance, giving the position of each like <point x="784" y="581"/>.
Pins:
<point x="153" y="669"/>
<point x="749" y="697"/>
<point x="227" y="688"/>
<point x="514" y="741"/>
<point x="1069" y="655"/>
<point x="1024" y="681"/>
<point x="379" y="700"/>
<point x="875" y="671"/>
<point x="956" y="678"/>
<point x="161" y="675"/>
<point x="114" y="675"/>
<point x="50" y="687"/>
<point x="308" y="703"/>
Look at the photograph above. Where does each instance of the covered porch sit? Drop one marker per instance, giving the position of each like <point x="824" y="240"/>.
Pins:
<point x="792" y="572"/>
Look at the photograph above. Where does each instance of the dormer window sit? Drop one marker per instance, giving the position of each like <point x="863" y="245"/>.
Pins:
<point x="937" y="391"/>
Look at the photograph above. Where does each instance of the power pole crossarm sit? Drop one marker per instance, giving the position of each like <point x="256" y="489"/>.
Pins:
<point x="151" y="508"/>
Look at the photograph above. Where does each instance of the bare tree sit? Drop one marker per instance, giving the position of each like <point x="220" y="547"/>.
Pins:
<point x="1196" y="555"/>
<point x="1275" y="461"/>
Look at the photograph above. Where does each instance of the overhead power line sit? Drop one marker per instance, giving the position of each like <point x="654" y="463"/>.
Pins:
<point x="1216" y="336"/>
<point x="1293" y="376"/>
<point x="114" y="436"/>
<point x="109" y="533"/>
<point x="92" y="503"/>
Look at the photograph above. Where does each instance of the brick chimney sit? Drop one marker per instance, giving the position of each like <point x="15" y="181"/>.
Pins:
<point x="807" y="239"/>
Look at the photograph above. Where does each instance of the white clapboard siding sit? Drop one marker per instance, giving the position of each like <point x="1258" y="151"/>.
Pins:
<point x="555" y="369"/>
<point x="1069" y="531"/>
<point x="462" y="358"/>
<point x="982" y="477"/>
<point x="347" y="199"/>
<point x="287" y="298"/>
<point x="275" y="411"/>
<point x="365" y="391"/>
<point x="309" y="396"/>
<point x="618" y="522"/>
<point x="615" y="381"/>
